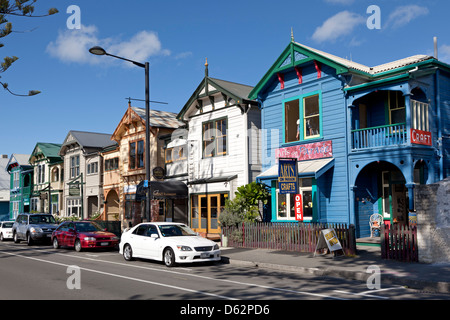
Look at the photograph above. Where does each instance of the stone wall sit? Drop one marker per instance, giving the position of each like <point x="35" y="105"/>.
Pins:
<point x="433" y="221"/>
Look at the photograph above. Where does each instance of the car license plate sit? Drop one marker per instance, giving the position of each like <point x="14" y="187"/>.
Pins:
<point x="104" y="243"/>
<point x="204" y="255"/>
<point x="49" y="236"/>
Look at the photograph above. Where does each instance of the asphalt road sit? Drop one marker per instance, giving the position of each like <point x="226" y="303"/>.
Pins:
<point x="40" y="272"/>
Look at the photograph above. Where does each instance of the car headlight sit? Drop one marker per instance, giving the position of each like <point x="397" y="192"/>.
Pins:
<point x="35" y="229"/>
<point x="115" y="238"/>
<point x="184" y="248"/>
<point x="89" y="239"/>
<point x="216" y="247"/>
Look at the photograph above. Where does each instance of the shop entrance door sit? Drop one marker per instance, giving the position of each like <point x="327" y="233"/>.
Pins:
<point x="205" y="212"/>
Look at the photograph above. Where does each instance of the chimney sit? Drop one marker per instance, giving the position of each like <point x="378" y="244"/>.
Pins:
<point x="435" y="48"/>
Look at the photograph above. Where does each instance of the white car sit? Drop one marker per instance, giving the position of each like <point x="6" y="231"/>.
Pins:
<point x="6" y="230"/>
<point x="169" y="242"/>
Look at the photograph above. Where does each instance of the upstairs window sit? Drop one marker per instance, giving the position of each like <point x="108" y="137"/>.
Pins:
<point x="397" y="111"/>
<point x="74" y="166"/>
<point x="302" y="118"/>
<point x="214" y="138"/>
<point x="136" y="155"/>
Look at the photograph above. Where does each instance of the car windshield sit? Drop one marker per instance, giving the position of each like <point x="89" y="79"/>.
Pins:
<point x="86" y="227"/>
<point x="7" y="224"/>
<point x="41" y="219"/>
<point x="175" y="230"/>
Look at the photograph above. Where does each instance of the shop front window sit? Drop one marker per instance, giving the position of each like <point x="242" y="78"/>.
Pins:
<point x="286" y="202"/>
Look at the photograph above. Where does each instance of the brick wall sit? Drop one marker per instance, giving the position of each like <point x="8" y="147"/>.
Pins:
<point x="433" y="222"/>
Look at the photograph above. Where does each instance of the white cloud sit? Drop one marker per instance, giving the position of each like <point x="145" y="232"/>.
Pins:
<point x="403" y="15"/>
<point x="73" y="46"/>
<point x="337" y="26"/>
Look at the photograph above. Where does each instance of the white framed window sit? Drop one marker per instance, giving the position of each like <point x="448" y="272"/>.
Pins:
<point x="285" y="203"/>
<point x="74" y="208"/>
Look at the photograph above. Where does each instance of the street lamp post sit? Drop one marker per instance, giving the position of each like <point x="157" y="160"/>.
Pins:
<point x="99" y="51"/>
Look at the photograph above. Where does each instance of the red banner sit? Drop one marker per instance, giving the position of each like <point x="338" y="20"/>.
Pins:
<point x="309" y="151"/>
<point x="298" y="207"/>
<point x="421" y="137"/>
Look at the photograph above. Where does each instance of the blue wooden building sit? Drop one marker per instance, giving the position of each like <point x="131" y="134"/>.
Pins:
<point x="363" y="136"/>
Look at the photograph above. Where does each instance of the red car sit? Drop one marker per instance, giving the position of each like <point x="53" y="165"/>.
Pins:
<point x="83" y="235"/>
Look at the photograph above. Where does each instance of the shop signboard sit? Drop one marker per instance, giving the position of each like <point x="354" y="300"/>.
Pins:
<point x="287" y="176"/>
<point x="328" y="239"/>
<point x="298" y="207"/>
<point x="421" y="137"/>
<point x="310" y="151"/>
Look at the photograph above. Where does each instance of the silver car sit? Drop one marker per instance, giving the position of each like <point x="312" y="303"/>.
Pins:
<point x="33" y="227"/>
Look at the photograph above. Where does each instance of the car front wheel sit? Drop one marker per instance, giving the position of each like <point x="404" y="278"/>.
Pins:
<point x="29" y="240"/>
<point x="78" y="245"/>
<point x="55" y="243"/>
<point x="16" y="238"/>
<point x="169" y="257"/>
<point x="127" y="253"/>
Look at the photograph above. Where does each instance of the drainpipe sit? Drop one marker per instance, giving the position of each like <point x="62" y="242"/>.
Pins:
<point x="439" y="125"/>
<point x="246" y="151"/>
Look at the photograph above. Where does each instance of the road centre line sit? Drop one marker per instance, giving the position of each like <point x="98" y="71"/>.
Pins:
<point x="208" y="278"/>
<point x="124" y="277"/>
<point x="361" y="294"/>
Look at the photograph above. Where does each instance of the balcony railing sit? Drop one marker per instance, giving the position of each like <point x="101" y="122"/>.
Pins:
<point x="382" y="136"/>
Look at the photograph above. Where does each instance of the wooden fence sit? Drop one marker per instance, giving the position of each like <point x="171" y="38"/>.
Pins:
<point x="399" y="243"/>
<point x="300" y="237"/>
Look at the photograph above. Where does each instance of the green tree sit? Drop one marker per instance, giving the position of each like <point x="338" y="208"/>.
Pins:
<point x="23" y="8"/>
<point x="245" y="206"/>
<point x="252" y="193"/>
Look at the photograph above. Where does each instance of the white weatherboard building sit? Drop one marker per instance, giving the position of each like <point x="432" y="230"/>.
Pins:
<point x="222" y="148"/>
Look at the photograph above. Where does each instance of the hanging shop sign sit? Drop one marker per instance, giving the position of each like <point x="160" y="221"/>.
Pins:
<point x="308" y="151"/>
<point x="421" y="137"/>
<point x="287" y="176"/>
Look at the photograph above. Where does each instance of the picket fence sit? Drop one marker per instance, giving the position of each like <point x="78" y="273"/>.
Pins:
<point x="399" y="243"/>
<point x="295" y="236"/>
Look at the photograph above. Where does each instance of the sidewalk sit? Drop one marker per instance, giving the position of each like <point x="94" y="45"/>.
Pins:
<point x="425" y="277"/>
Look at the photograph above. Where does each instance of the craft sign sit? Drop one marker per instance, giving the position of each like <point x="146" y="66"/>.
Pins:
<point x="308" y="151"/>
<point x="421" y="137"/>
<point x="298" y="207"/>
<point x="287" y="176"/>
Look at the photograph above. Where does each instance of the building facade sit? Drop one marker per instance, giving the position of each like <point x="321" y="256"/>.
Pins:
<point x="47" y="190"/>
<point x="21" y="180"/>
<point x="221" y="148"/>
<point x="83" y="173"/>
<point x="130" y="137"/>
<point x="363" y="136"/>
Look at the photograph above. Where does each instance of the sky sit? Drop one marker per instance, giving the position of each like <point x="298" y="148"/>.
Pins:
<point x="240" y="39"/>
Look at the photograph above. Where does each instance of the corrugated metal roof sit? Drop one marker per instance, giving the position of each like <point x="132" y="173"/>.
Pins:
<point x="161" y="119"/>
<point x="370" y="70"/>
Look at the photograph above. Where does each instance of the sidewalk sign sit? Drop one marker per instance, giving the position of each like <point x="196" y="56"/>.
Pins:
<point x="328" y="239"/>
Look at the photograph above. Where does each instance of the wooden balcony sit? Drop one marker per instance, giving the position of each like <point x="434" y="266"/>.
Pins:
<point x="379" y="137"/>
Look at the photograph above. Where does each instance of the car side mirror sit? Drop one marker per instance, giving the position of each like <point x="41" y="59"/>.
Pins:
<point x="71" y="230"/>
<point x="154" y="236"/>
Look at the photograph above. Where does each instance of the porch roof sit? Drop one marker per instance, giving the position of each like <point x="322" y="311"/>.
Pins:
<point x="310" y="168"/>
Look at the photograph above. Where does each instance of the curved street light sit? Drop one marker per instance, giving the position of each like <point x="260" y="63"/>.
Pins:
<point x="99" y="51"/>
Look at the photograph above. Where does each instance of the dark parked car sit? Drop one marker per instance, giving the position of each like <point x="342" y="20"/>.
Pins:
<point x="33" y="227"/>
<point x="83" y="235"/>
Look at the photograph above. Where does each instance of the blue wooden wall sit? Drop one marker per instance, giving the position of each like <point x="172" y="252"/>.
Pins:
<point x="332" y="187"/>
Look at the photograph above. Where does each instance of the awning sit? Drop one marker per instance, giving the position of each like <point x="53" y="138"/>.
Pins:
<point x="311" y="168"/>
<point x="173" y="189"/>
